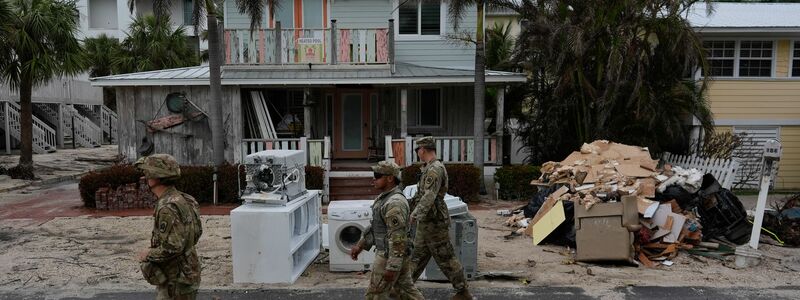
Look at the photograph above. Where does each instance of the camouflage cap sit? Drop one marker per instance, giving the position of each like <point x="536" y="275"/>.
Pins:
<point x="387" y="167"/>
<point x="426" y="142"/>
<point x="159" y="166"/>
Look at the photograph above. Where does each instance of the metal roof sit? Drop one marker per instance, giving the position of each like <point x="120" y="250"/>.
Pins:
<point x="303" y="75"/>
<point x="754" y="17"/>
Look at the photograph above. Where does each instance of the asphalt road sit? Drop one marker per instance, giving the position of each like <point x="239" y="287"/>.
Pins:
<point x="549" y="293"/>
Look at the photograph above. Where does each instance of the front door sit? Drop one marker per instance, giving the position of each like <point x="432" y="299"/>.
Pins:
<point x="351" y="125"/>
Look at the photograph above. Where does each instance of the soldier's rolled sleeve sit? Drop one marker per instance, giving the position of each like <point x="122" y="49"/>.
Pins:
<point x="171" y="236"/>
<point x="367" y="239"/>
<point x="397" y="235"/>
<point x="426" y="200"/>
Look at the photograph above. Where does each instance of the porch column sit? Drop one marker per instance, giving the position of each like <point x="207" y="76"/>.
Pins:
<point x="403" y="112"/>
<point x="7" y="128"/>
<point x="60" y="126"/>
<point x="308" y="119"/>
<point x="500" y="124"/>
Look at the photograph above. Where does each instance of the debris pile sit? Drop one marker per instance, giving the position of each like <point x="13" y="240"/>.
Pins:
<point x="589" y="192"/>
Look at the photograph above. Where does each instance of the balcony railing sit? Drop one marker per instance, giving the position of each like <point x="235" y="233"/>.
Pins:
<point x="303" y="46"/>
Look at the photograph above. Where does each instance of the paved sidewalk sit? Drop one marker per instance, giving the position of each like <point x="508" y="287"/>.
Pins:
<point x="62" y="165"/>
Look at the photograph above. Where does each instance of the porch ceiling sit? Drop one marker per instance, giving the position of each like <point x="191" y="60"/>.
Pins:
<point x="313" y="75"/>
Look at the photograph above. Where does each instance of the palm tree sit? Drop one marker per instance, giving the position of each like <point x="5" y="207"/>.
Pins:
<point x="99" y="54"/>
<point x="499" y="47"/>
<point x="152" y="44"/>
<point x="615" y="69"/>
<point x="457" y="8"/>
<point x="40" y="44"/>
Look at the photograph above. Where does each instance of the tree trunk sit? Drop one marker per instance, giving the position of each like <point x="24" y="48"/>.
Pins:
<point x="214" y="61"/>
<point x="25" y="167"/>
<point x="480" y="94"/>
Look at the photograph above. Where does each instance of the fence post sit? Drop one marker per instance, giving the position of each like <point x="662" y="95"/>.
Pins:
<point x="303" y="145"/>
<point x="389" y="151"/>
<point x="326" y="162"/>
<point x="334" y="44"/>
<point x="409" y="151"/>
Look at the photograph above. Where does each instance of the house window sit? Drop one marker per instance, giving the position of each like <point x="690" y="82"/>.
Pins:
<point x="188" y="7"/>
<point x="796" y="60"/>
<point x="721" y="56"/>
<point x="429" y="107"/>
<point x="755" y="59"/>
<point x="419" y="17"/>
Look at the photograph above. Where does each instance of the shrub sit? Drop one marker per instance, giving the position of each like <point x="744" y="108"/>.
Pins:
<point x="515" y="181"/>
<point x="463" y="180"/>
<point x="410" y="174"/>
<point x="111" y="177"/>
<point x="195" y="180"/>
<point x="315" y="178"/>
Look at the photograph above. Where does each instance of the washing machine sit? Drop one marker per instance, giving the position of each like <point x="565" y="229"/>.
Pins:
<point x="347" y="221"/>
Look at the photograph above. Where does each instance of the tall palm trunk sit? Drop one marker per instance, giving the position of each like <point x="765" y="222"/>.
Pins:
<point x="26" y="128"/>
<point x="214" y="61"/>
<point x="480" y="92"/>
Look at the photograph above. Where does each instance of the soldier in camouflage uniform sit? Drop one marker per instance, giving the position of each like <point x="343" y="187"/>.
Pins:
<point x="388" y="232"/>
<point x="171" y="263"/>
<point x="432" y="238"/>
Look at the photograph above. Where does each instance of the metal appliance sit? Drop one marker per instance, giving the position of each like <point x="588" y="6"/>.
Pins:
<point x="274" y="177"/>
<point x="347" y="221"/>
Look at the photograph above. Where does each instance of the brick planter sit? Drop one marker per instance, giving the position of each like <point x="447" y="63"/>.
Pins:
<point x="133" y="195"/>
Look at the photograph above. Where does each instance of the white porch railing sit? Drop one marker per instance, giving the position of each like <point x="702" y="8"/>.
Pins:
<point x="44" y="137"/>
<point x="724" y="170"/>
<point x="318" y="152"/>
<point x="86" y="133"/>
<point x="449" y="149"/>
<point x="109" y="122"/>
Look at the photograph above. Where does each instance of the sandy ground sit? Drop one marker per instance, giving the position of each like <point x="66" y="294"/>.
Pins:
<point x="82" y="256"/>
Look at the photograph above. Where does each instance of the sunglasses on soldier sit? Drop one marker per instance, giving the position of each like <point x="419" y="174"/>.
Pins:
<point x="377" y="175"/>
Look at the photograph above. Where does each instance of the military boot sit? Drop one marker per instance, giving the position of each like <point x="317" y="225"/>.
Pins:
<point x="462" y="295"/>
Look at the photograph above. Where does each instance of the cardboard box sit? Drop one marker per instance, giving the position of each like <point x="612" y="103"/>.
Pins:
<point x="602" y="232"/>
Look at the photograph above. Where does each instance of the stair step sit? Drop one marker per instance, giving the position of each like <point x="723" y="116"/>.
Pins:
<point x="353" y="191"/>
<point x="357" y="182"/>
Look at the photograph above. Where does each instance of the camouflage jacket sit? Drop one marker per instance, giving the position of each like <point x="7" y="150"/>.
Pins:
<point x="429" y="200"/>
<point x="176" y="230"/>
<point x="389" y="228"/>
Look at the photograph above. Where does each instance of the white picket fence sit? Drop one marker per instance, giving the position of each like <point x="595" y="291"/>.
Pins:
<point x="449" y="149"/>
<point x="724" y="170"/>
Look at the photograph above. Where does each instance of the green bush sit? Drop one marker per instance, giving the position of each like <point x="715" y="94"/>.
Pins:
<point x="315" y="178"/>
<point x="463" y="180"/>
<point x="195" y="180"/>
<point x="515" y="181"/>
<point x="111" y="177"/>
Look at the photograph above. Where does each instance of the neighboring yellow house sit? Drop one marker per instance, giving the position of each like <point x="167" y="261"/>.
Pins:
<point x="754" y="54"/>
<point x="498" y="15"/>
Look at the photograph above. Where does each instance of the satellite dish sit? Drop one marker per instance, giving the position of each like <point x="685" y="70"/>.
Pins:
<point x="177" y="103"/>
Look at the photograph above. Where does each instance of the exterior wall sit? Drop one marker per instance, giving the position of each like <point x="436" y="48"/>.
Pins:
<point x="789" y="167"/>
<point x="68" y="91"/>
<point x="189" y="143"/>
<point x="503" y="19"/>
<point x="438" y="51"/>
<point x="775" y="102"/>
<point x="123" y="17"/>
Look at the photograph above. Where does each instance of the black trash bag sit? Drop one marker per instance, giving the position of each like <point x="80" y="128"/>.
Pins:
<point x="564" y="234"/>
<point x="721" y="213"/>
<point x="686" y="200"/>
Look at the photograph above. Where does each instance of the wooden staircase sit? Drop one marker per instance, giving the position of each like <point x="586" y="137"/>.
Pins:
<point x="352" y="188"/>
<point x="44" y="137"/>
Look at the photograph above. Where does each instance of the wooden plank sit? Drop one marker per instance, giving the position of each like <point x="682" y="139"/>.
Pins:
<point x="362" y="46"/>
<point x="446" y="150"/>
<point x="470" y="151"/>
<point x="493" y="155"/>
<point x="371" y="48"/>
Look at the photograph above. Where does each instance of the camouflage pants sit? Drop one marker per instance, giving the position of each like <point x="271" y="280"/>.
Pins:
<point x="401" y="288"/>
<point x="173" y="292"/>
<point x="432" y="239"/>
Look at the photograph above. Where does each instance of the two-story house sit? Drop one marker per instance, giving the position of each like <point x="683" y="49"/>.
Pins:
<point x="754" y="54"/>
<point x="347" y="80"/>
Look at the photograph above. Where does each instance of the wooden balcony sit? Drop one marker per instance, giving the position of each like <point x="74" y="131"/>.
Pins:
<point x="280" y="46"/>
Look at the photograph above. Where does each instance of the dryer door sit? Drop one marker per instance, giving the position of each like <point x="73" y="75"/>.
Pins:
<point x="347" y="235"/>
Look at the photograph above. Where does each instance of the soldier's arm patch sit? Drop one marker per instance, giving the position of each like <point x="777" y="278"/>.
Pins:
<point x="162" y="227"/>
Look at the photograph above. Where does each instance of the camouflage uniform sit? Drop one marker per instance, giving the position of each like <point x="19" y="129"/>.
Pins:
<point x="432" y="238"/>
<point x="172" y="263"/>
<point x="388" y="232"/>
